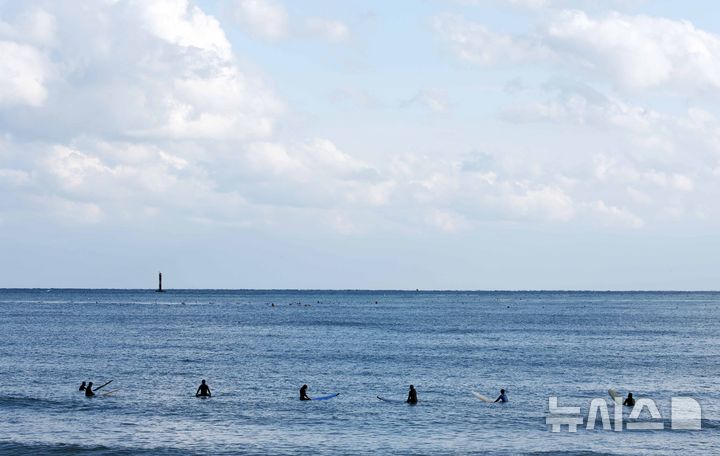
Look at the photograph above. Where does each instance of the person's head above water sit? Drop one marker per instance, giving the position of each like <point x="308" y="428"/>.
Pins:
<point x="304" y="387"/>
<point x="412" y="387"/>
<point x="83" y="384"/>
<point x="502" y="391"/>
<point x="629" y="394"/>
<point x="89" y="384"/>
<point x="203" y="382"/>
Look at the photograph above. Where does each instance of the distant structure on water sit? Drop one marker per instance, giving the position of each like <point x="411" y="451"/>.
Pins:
<point x="160" y="290"/>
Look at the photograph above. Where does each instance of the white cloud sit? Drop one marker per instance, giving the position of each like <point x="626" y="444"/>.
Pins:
<point x="633" y="51"/>
<point x="306" y="161"/>
<point x="15" y="177"/>
<point x="475" y="43"/>
<point x="545" y="202"/>
<point x="585" y="106"/>
<point x="34" y="26"/>
<point x="447" y="221"/>
<point x="435" y="100"/>
<point x="177" y="22"/>
<point x="72" y="212"/>
<point x="169" y="120"/>
<point x="23" y="73"/>
<point x="264" y="18"/>
<point x="331" y="30"/>
<point x="639" y="52"/>
<point x="173" y="77"/>
<point x="616" y="215"/>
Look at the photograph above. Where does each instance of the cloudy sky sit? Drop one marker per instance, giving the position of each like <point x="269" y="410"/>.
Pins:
<point x="432" y="144"/>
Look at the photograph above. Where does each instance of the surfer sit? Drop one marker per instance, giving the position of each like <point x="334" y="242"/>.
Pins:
<point x="412" y="395"/>
<point x="89" y="391"/>
<point x="629" y="401"/>
<point x="82" y="387"/>
<point x="303" y="393"/>
<point x="502" y="397"/>
<point x="203" y="390"/>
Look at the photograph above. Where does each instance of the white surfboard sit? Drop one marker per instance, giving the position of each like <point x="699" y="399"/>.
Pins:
<point x="481" y="397"/>
<point x="614" y="395"/>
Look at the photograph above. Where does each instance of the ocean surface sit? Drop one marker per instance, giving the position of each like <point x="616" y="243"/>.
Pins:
<point x="157" y="347"/>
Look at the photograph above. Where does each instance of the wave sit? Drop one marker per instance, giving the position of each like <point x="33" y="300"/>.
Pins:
<point x="25" y="401"/>
<point x="57" y="449"/>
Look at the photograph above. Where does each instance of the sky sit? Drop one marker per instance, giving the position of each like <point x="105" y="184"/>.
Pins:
<point x="426" y="144"/>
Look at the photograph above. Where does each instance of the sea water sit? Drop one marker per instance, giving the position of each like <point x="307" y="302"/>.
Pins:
<point x="256" y="348"/>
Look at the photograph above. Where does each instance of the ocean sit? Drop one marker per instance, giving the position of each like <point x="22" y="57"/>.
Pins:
<point x="157" y="347"/>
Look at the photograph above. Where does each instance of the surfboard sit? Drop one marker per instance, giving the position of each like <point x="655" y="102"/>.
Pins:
<point x="481" y="397"/>
<point x="324" y="398"/>
<point x="614" y="395"/>
<point x="394" y="401"/>
<point x="110" y="393"/>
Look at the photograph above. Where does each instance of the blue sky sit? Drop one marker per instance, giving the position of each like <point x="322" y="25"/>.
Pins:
<point x="434" y="144"/>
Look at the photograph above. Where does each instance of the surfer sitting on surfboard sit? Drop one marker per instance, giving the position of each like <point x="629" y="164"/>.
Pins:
<point x="412" y="395"/>
<point x="203" y="390"/>
<point x="89" y="391"/>
<point x="303" y="393"/>
<point x="630" y="401"/>
<point x="503" y="397"/>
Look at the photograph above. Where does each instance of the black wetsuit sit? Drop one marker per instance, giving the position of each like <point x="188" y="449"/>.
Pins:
<point x="303" y="394"/>
<point x="89" y="391"/>
<point x="203" y="390"/>
<point x="629" y="402"/>
<point x="412" y="396"/>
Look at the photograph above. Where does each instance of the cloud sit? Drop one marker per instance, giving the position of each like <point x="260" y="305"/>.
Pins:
<point x="173" y="77"/>
<point x="673" y="53"/>
<point x="546" y="202"/>
<point x="331" y="30"/>
<point x="433" y="99"/>
<point x="167" y="121"/>
<point x="635" y="52"/>
<point x="447" y="221"/>
<point x="270" y="20"/>
<point x="475" y="43"/>
<point x="580" y="104"/>
<point x="263" y="18"/>
<point x="23" y="72"/>
<point x="615" y="215"/>
<point x="180" y="23"/>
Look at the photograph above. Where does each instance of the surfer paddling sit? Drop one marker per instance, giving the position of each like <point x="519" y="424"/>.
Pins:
<point x="203" y="390"/>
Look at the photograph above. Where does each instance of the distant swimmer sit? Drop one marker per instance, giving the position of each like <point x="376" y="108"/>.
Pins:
<point x="303" y="393"/>
<point x="82" y="387"/>
<point x="412" y="395"/>
<point x="629" y="401"/>
<point x="203" y="390"/>
<point x="503" y="397"/>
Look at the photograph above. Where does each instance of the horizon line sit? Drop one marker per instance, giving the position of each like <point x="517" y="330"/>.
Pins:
<point x="409" y="290"/>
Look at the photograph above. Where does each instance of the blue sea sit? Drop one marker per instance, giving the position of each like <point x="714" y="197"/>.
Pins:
<point x="157" y="347"/>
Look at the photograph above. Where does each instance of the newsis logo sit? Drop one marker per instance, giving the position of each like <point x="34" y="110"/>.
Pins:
<point x="685" y="414"/>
